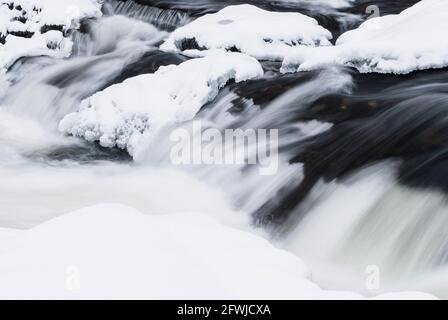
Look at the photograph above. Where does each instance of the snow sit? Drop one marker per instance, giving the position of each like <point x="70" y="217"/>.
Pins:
<point x="28" y="17"/>
<point x="111" y="251"/>
<point x="410" y="41"/>
<point x="18" y="47"/>
<point x="123" y="114"/>
<point x="248" y="29"/>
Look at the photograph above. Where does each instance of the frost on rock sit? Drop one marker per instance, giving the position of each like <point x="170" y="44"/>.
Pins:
<point x="248" y="29"/>
<point x="123" y="113"/>
<point x="36" y="27"/>
<point x="410" y="41"/>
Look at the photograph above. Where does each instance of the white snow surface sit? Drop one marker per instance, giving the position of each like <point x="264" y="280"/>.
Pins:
<point x="399" y="44"/>
<point x="29" y="16"/>
<point x="111" y="251"/>
<point x="248" y="29"/>
<point x="123" y="114"/>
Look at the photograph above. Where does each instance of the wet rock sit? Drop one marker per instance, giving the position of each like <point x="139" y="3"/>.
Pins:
<point x="149" y="63"/>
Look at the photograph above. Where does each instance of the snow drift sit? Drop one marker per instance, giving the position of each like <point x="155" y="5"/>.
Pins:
<point x="122" y="114"/>
<point x="36" y="27"/>
<point x="113" y="251"/>
<point x="248" y="29"/>
<point x="397" y="44"/>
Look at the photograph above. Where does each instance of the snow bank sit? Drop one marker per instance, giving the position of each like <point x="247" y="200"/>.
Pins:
<point x="248" y="29"/>
<point x="113" y="251"/>
<point x="35" y="27"/>
<point x="122" y="114"/>
<point x="412" y="40"/>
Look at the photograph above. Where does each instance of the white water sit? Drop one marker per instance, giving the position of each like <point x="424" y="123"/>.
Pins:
<point x="40" y="92"/>
<point x="369" y="220"/>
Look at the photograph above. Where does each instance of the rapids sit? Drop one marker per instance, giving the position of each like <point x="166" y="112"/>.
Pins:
<point x="363" y="176"/>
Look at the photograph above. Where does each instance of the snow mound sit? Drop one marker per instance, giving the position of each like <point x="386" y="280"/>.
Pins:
<point x="410" y="41"/>
<point x="248" y="29"/>
<point x="115" y="252"/>
<point x="122" y="114"/>
<point x="36" y="27"/>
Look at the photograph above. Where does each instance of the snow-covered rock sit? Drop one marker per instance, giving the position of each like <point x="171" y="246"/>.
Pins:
<point x="113" y="251"/>
<point x="123" y="113"/>
<point x="36" y="27"/>
<point x="412" y="40"/>
<point x="248" y="29"/>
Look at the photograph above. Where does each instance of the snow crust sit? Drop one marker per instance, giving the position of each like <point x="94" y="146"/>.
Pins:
<point x="410" y="41"/>
<point x="248" y="29"/>
<point x="112" y="251"/>
<point x="122" y="114"/>
<point x="36" y="27"/>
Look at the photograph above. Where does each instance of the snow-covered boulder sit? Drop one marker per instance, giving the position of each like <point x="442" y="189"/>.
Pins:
<point x="121" y="114"/>
<point x="36" y="27"/>
<point x="413" y="40"/>
<point x="114" y="252"/>
<point x="248" y="29"/>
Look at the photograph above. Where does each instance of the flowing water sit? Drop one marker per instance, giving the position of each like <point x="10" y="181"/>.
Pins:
<point x="362" y="176"/>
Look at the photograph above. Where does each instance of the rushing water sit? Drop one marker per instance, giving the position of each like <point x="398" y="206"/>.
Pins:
<point x="362" y="177"/>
